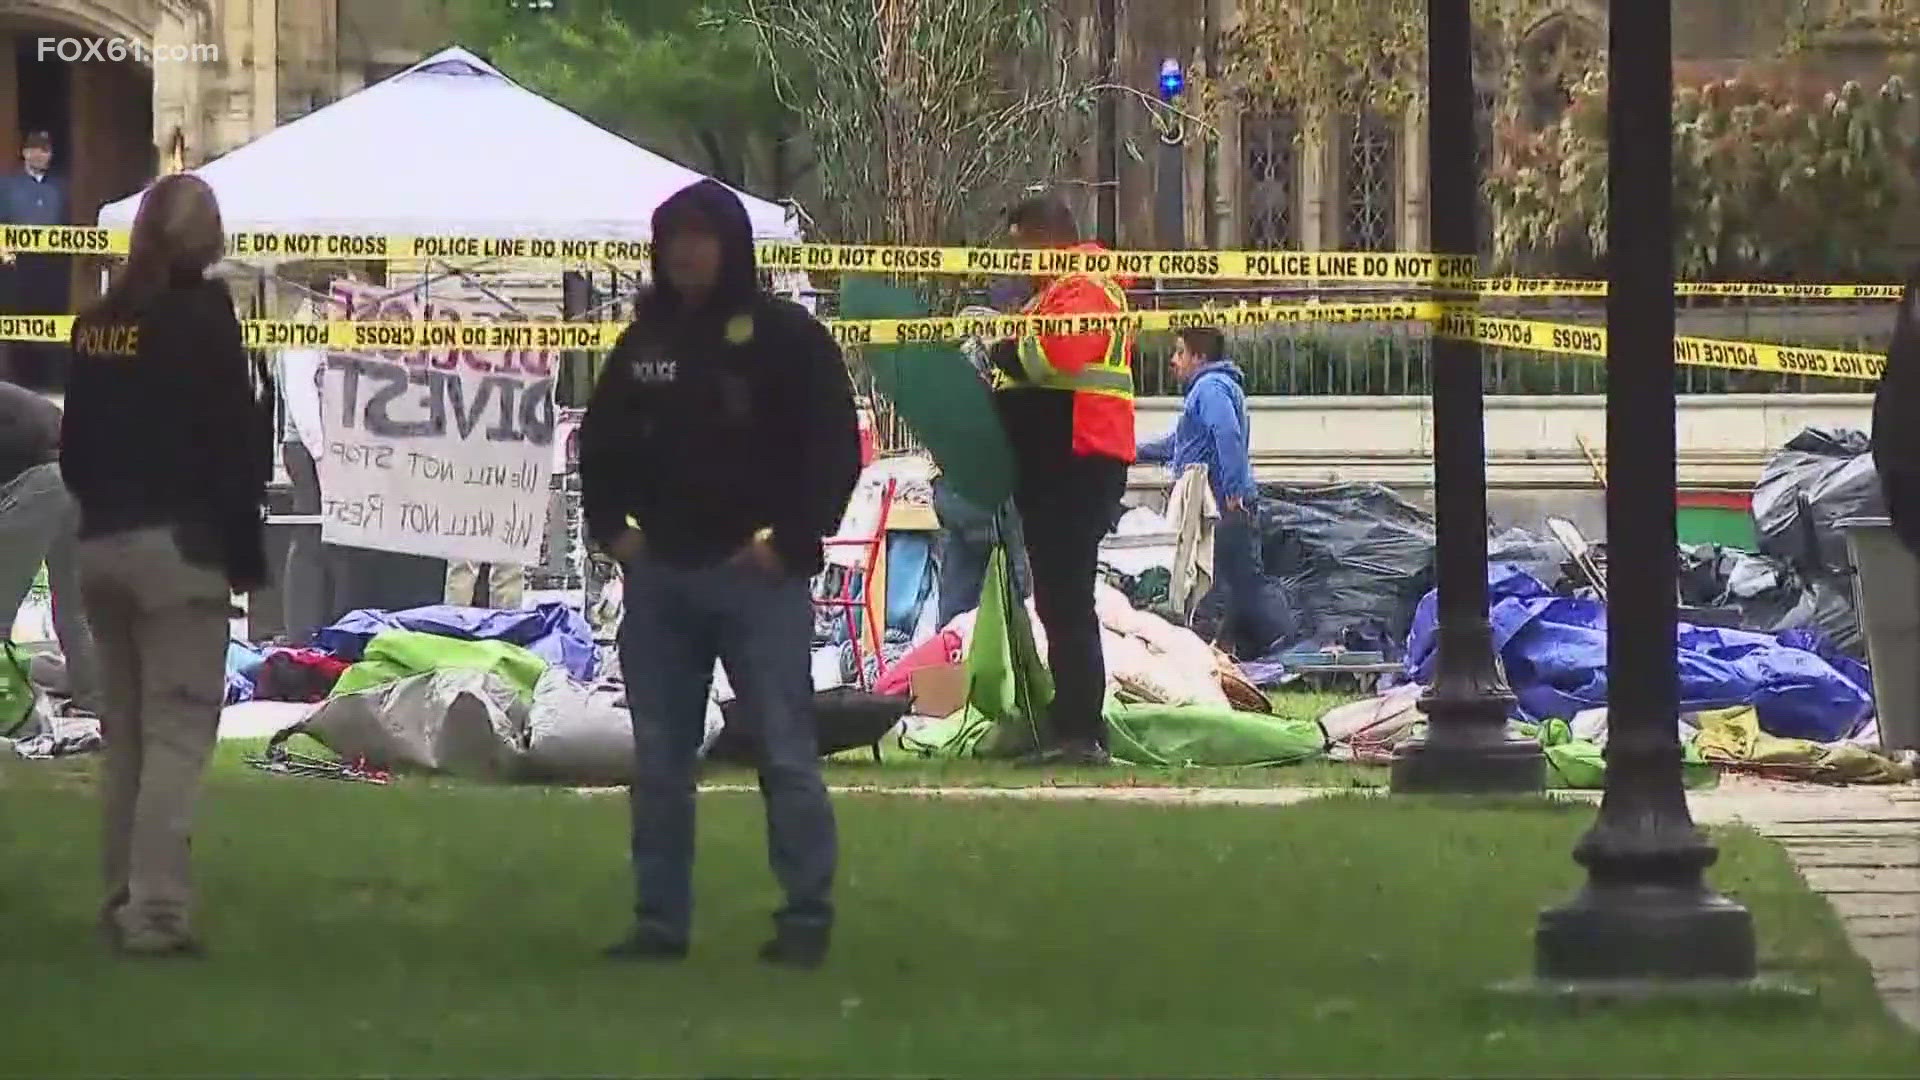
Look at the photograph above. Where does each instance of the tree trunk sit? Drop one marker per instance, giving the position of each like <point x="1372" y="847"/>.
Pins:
<point x="719" y="165"/>
<point x="781" y="165"/>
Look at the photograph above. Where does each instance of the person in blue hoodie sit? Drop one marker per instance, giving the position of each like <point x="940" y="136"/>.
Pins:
<point x="1213" y="431"/>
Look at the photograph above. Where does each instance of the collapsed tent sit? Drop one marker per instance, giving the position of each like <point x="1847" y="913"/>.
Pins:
<point x="1554" y="649"/>
<point x="1009" y="690"/>
<point x="1352" y="560"/>
<point x="554" y="632"/>
<point x="479" y="709"/>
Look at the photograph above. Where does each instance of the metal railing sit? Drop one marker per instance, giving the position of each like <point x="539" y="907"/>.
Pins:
<point x="1390" y="359"/>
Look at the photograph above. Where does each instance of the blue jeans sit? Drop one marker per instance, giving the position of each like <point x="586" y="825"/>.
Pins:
<point x="1248" y="626"/>
<point x="966" y="543"/>
<point x="761" y="628"/>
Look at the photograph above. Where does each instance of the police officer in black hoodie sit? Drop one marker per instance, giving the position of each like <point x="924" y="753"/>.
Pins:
<point x="719" y="449"/>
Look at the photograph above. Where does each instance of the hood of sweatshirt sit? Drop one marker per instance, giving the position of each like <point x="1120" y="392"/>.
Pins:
<point x="1225" y="369"/>
<point x="710" y="206"/>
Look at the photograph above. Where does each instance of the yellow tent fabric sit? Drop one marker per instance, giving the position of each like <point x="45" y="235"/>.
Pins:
<point x="1732" y="738"/>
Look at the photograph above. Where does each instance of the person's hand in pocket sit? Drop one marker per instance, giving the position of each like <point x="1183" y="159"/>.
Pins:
<point x="760" y="555"/>
<point x="629" y="547"/>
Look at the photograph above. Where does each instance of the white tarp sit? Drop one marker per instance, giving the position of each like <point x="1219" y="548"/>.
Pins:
<point x="448" y="147"/>
<point x="445" y="453"/>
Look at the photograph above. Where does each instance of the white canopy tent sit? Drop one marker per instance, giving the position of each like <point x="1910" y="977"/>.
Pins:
<point x="449" y="146"/>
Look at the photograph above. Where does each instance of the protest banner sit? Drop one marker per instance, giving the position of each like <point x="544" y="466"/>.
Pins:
<point x="439" y="452"/>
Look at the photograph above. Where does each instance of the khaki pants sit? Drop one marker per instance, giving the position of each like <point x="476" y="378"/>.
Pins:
<point x="160" y="629"/>
<point x="506" y="585"/>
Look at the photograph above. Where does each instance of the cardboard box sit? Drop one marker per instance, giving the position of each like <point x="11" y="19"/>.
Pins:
<point x="939" y="690"/>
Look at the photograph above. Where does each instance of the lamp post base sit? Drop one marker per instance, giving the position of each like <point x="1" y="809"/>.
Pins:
<point x="1610" y="937"/>
<point x="1499" y="767"/>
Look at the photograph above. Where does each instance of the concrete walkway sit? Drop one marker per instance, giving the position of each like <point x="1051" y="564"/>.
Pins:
<point x="1859" y="847"/>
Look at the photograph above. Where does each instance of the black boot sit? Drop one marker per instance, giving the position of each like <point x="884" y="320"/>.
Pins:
<point x="646" y="945"/>
<point x="796" y="948"/>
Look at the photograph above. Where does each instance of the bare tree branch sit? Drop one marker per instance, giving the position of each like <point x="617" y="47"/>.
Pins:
<point x="929" y="116"/>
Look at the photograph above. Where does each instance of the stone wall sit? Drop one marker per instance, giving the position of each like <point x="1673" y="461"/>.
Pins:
<point x="1536" y="463"/>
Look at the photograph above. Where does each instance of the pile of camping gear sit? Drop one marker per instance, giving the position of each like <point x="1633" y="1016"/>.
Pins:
<point x="1769" y="652"/>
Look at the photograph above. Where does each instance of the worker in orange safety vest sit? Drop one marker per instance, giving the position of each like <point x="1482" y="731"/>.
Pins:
<point x="1066" y="401"/>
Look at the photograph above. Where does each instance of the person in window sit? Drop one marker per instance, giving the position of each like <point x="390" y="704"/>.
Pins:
<point x="719" y="449"/>
<point x="36" y="283"/>
<point x="168" y="449"/>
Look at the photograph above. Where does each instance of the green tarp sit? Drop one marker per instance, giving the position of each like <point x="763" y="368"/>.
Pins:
<point x="16" y="691"/>
<point x="1009" y="688"/>
<point x="935" y="389"/>
<point x="1577" y="763"/>
<point x="395" y="654"/>
<point x="1182" y="735"/>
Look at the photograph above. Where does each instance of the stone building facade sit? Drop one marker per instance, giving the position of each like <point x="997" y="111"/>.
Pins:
<point x="1359" y="182"/>
<point x="130" y="88"/>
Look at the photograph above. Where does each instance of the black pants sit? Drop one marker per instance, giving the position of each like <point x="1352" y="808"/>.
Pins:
<point x="1066" y="508"/>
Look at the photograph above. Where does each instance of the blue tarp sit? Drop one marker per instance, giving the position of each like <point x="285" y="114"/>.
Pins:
<point x="243" y="664"/>
<point x="909" y="577"/>
<point x="1555" y="652"/>
<point x="554" y="632"/>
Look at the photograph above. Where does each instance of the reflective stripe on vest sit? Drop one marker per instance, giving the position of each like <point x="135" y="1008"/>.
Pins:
<point x="1111" y="377"/>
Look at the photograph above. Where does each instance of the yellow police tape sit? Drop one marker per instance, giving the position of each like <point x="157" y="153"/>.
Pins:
<point x="1455" y="272"/>
<point x="1412" y="267"/>
<point x="1559" y="339"/>
<point x="350" y="335"/>
<point x="1494" y="288"/>
<point x="1566" y="339"/>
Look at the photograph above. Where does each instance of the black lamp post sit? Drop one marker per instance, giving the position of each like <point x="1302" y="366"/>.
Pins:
<point x="1466" y="750"/>
<point x="1107" y="124"/>
<point x="1646" y="916"/>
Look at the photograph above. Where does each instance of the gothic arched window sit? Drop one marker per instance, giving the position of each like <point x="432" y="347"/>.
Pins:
<point x="1554" y="56"/>
<point x="1270" y="188"/>
<point x="1369" y="183"/>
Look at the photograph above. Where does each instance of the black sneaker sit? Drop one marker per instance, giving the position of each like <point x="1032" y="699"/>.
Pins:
<point x="1069" y="755"/>
<point x="643" y="945"/>
<point x="804" y="949"/>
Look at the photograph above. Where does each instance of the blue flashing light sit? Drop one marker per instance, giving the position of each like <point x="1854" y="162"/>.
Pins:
<point x="1172" y="79"/>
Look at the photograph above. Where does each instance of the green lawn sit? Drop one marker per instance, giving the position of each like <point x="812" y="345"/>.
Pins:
<point x="451" y="930"/>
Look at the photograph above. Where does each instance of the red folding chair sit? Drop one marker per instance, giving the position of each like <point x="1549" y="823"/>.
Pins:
<point x="852" y="596"/>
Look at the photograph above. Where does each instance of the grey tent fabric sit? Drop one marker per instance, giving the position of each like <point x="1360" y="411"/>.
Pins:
<point x="584" y="734"/>
<point x="459" y="722"/>
<point x="475" y="724"/>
